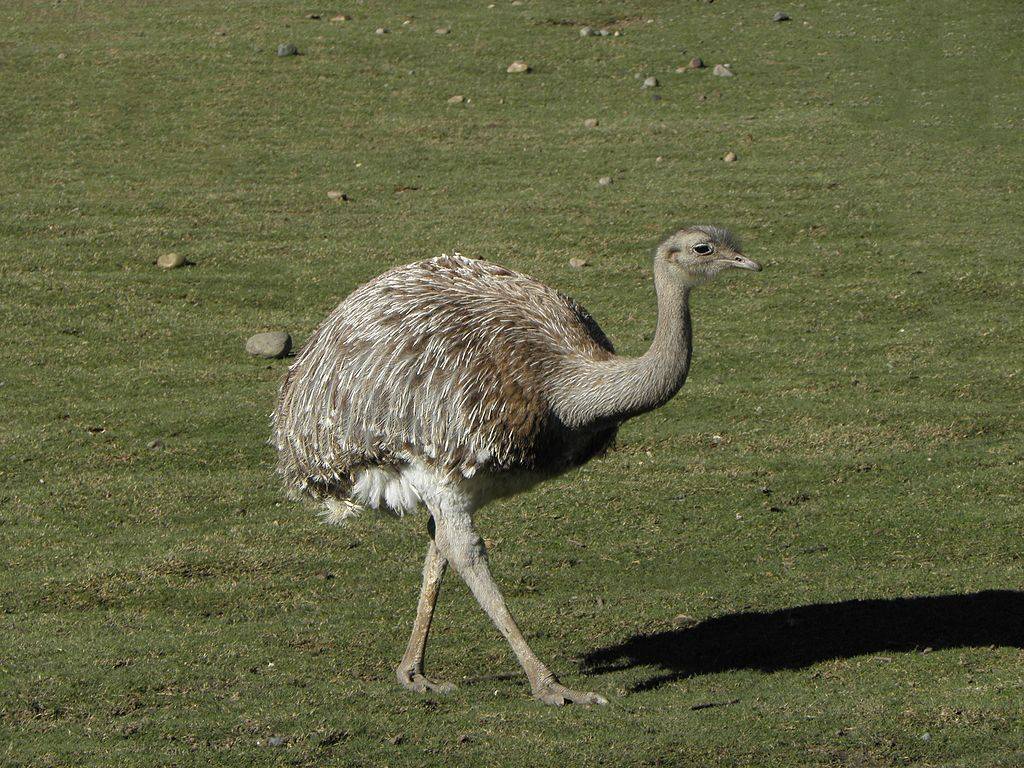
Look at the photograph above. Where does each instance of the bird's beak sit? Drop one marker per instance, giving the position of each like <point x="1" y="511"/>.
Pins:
<point x="742" y="262"/>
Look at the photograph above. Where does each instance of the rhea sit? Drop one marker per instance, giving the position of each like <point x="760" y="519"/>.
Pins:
<point x="448" y="383"/>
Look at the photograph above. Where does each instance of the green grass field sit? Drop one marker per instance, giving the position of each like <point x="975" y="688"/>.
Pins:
<point x="852" y="428"/>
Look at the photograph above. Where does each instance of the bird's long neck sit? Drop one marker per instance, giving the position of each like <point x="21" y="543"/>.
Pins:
<point x="620" y="388"/>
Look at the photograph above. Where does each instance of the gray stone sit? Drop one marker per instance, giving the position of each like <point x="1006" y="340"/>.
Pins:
<point x="381" y="31"/>
<point x="170" y="260"/>
<point x="781" y="16"/>
<point x="605" y="181"/>
<point x="650" y="82"/>
<point x="590" y="122"/>
<point x="270" y="345"/>
<point x="587" y="32"/>
<point x="577" y="263"/>
<point x="443" y="31"/>
<point x="518" y="67"/>
<point x="287" y="49"/>
<point x="722" y="70"/>
<point x="155" y="445"/>
<point x="696" y="63"/>
<point x="730" y="157"/>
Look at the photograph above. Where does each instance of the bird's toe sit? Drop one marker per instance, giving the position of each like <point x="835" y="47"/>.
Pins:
<point x="420" y="683"/>
<point x="558" y="695"/>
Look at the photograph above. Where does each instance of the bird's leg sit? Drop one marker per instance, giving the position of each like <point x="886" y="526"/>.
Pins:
<point x="410" y="669"/>
<point x="459" y="542"/>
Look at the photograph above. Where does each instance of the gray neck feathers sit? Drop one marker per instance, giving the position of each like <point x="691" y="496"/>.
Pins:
<point x="614" y="390"/>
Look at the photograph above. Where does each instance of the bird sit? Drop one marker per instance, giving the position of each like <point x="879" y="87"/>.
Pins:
<point x="440" y="386"/>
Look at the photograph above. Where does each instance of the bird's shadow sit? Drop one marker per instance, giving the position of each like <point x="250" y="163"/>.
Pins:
<point x="798" y="637"/>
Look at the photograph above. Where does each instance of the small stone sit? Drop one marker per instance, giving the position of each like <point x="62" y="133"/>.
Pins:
<point x="517" y="67"/>
<point x="682" y="70"/>
<point x="659" y="159"/>
<point x="334" y="194"/>
<point x="605" y="181"/>
<point x="781" y="16"/>
<point x="722" y="70"/>
<point x="683" y="620"/>
<point x="341" y="17"/>
<point x="457" y="99"/>
<point x="397" y="739"/>
<point x="270" y="345"/>
<point x="155" y="445"/>
<point x="313" y="16"/>
<point x="275" y="741"/>
<point x="577" y="263"/>
<point x="170" y="260"/>
<point x="381" y="31"/>
<point x="287" y="49"/>
<point x="443" y="31"/>
<point x="587" y="32"/>
<point x="220" y="32"/>
<point x="650" y="82"/>
<point x="696" y="63"/>
<point x="730" y="157"/>
<point x="926" y="736"/>
<point x="590" y="122"/>
<point x="603" y="32"/>
<point x="62" y="55"/>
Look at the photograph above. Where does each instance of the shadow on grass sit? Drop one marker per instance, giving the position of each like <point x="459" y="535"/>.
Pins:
<point x="798" y="637"/>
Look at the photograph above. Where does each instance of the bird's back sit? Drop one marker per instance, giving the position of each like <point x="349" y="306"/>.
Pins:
<point x="449" y="361"/>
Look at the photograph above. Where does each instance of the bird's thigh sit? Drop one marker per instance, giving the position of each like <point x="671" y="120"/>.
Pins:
<point x="457" y="539"/>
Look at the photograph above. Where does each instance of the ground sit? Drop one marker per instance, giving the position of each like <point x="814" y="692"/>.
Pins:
<point x="852" y="428"/>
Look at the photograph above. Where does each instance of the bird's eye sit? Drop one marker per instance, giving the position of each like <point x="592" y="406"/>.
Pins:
<point x="703" y="249"/>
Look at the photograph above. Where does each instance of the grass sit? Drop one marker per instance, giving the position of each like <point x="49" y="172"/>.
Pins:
<point x="167" y="607"/>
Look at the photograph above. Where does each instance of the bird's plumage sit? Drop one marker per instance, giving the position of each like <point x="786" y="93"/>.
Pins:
<point x="448" y="361"/>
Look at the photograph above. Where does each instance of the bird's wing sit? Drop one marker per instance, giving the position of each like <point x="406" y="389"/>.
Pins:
<point x="447" y="359"/>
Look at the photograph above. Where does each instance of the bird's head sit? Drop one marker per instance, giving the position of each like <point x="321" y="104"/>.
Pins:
<point x="696" y="255"/>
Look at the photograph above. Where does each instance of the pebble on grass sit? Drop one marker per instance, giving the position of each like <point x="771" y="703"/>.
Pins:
<point x="334" y="194"/>
<point x="590" y="122"/>
<point x="722" y="70"/>
<point x="650" y="82"/>
<point x="781" y="16"/>
<point x="457" y="99"/>
<point x="517" y="67"/>
<point x="270" y="345"/>
<point x="170" y="260"/>
<point x="341" y="17"/>
<point x="287" y="49"/>
<point x="605" y="181"/>
<point x="443" y="31"/>
<point x="730" y="157"/>
<point x="577" y="263"/>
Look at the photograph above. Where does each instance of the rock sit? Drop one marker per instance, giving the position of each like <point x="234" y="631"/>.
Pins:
<point x="155" y="445"/>
<point x="781" y="16"/>
<point x="458" y="99"/>
<point x="696" y="63"/>
<point x="517" y="67"/>
<point x="650" y="82"/>
<point x="603" y="32"/>
<point x="730" y="157"/>
<point x="287" y="49"/>
<point x="577" y="263"/>
<point x="341" y="17"/>
<point x="275" y="741"/>
<point x="443" y="31"/>
<point x="682" y="621"/>
<point x="270" y="345"/>
<point x="722" y="70"/>
<point x="659" y="159"/>
<point x="170" y="260"/>
<point x="62" y="56"/>
<point x="587" y="32"/>
<point x="590" y="122"/>
<point x="605" y="181"/>
<point x="313" y="16"/>
<point x="682" y="70"/>
<point x="334" y="194"/>
<point x="381" y="31"/>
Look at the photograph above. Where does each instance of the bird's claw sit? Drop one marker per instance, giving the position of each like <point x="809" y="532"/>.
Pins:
<point x="558" y="695"/>
<point x="416" y="681"/>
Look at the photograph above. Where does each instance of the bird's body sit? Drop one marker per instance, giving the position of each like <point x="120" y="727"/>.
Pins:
<point x="447" y="365"/>
<point x="449" y="382"/>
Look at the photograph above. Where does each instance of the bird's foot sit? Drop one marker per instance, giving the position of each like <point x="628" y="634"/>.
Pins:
<point x="558" y="695"/>
<point x="414" y="680"/>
